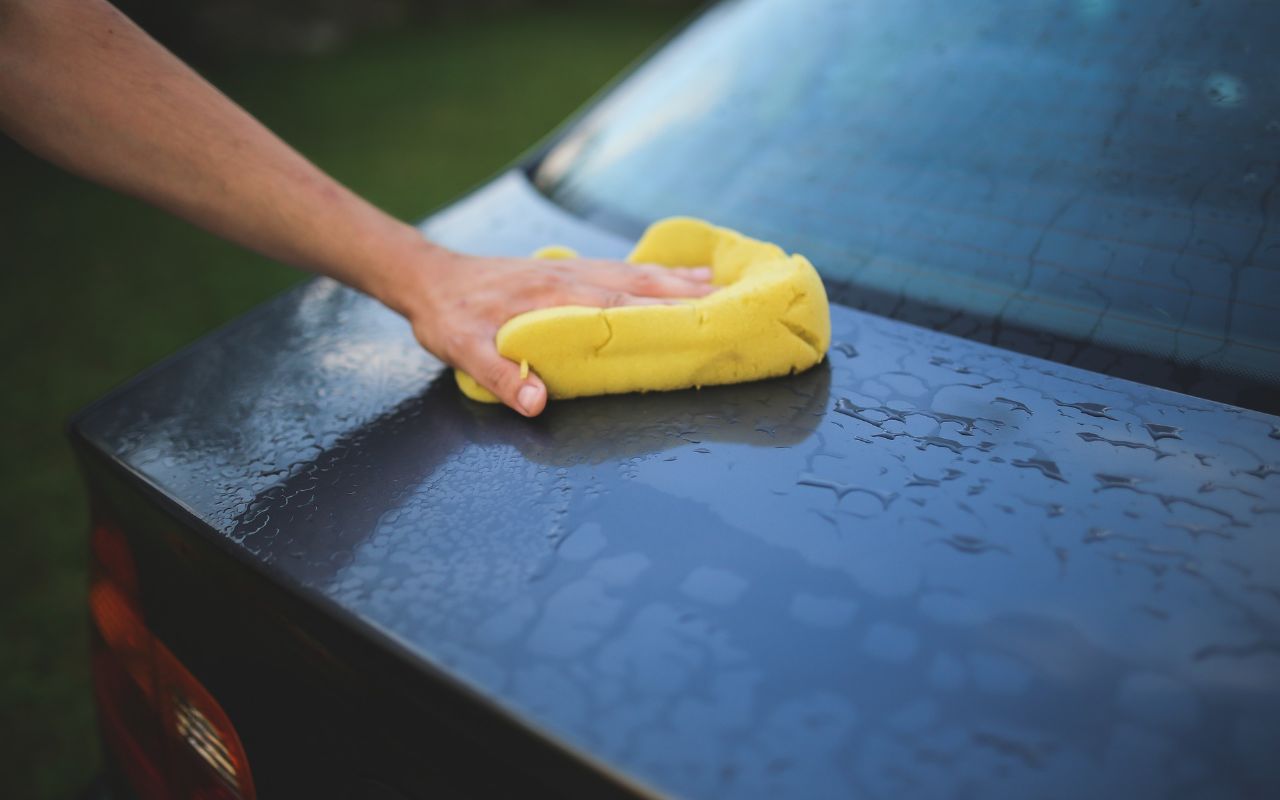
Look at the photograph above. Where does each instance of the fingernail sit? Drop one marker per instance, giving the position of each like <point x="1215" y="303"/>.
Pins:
<point x="527" y="397"/>
<point x="703" y="273"/>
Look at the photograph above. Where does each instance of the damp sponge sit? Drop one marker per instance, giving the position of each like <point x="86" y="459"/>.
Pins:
<point x="768" y="318"/>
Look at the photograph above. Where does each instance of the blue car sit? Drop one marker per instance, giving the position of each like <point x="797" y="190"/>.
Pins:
<point x="1017" y="536"/>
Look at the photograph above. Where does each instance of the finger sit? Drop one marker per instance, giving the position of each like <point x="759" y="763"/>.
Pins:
<point x="657" y="281"/>
<point x="702" y="274"/>
<point x="526" y="394"/>
<point x="649" y="281"/>
<point x="693" y="273"/>
<point x="616" y="299"/>
<point x="593" y="296"/>
<point x="609" y="299"/>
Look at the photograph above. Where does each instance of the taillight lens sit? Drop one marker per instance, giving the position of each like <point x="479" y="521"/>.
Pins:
<point x="169" y="736"/>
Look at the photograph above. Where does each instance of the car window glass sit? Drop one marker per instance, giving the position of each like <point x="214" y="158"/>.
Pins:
<point x="1099" y="170"/>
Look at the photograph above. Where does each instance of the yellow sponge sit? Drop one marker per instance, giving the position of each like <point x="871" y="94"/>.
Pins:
<point x="769" y="318"/>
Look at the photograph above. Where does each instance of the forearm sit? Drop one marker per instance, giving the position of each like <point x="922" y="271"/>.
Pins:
<point x="84" y="87"/>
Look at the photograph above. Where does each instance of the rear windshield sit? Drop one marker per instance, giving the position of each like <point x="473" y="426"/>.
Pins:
<point x="1095" y="170"/>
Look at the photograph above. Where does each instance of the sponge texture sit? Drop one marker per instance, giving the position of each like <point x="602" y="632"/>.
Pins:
<point x="769" y="318"/>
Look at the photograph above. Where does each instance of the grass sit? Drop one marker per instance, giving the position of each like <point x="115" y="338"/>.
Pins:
<point x="96" y="287"/>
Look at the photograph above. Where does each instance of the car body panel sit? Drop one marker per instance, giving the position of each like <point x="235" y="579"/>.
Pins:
<point x="927" y="566"/>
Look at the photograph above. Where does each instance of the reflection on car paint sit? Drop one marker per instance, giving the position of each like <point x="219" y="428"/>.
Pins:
<point x="927" y="563"/>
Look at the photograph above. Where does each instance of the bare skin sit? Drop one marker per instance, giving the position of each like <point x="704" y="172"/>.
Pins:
<point x="87" y="89"/>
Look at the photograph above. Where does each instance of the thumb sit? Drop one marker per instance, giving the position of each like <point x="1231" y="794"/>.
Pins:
<point x="524" y="393"/>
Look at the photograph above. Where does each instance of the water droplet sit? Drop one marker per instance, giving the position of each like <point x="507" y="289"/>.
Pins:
<point x="1093" y="437"/>
<point x="1013" y="404"/>
<point x="846" y="349"/>
<point x="972" y="545"/>
<point x="1091" y="409"/>
<point x="1046" y="467"/>
<point x="1115" y="481"/>
<point x="1159" y="431"/>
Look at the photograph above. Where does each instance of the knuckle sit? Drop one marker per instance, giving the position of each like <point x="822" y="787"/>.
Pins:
<point x="454" y="345"/>
<point x="547" y="286"/>
<point x="536" y="281"/>
<point x="645" y="282"/>
<point x="497" y="374"/>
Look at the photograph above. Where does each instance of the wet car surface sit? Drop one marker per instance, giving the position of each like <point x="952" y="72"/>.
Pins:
<point x="928" y="567"/>
<point x="926" y="563"/>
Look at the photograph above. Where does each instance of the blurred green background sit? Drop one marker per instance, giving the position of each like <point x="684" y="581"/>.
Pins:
<point x="409" y="102"/>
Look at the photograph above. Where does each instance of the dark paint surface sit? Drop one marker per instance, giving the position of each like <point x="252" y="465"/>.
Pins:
<point x="1086" y="181"/>
<point x="927" y="567"/>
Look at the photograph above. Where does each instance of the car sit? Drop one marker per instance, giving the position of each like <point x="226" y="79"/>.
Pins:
<point x="1018" y="535"/>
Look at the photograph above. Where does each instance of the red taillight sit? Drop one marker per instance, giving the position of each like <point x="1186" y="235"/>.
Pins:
<point x="168" y="734"/>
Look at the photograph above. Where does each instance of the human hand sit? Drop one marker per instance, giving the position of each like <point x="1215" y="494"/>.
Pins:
<point x="461" y="301"/>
